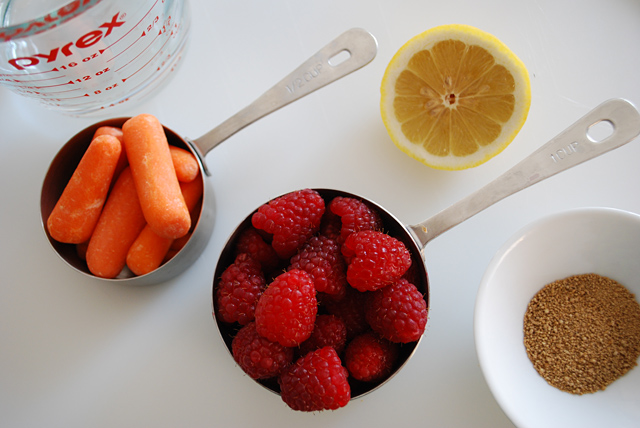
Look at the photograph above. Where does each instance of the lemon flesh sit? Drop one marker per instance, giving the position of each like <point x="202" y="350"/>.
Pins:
<point x="454" y="96"/>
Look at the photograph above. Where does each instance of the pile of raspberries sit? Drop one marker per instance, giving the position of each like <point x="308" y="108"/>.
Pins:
<point x="319" y="296"/>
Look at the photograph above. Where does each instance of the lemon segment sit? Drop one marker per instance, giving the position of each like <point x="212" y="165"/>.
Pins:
<point x="454" y="96"/>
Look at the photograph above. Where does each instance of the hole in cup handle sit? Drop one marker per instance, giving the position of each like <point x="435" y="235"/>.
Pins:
<point x="600" y="131"/>
<point x="339" y="58"/>
<point x="608" y="126"/>
<point x="615" y="122"/>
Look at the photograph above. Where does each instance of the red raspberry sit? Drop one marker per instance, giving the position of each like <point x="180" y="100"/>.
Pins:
<point x="238" y="291"/>
<point x="355" y="216"/>
<point x="317" y="381"/>
<point x="414" y="273"/>
<point x="328" y="331"/>
<point x="351" y="310"/>
<point x="252" y="243"/>
<point x="397" y="312"/>
<point x="370" y="358"/>
<point x="291" y="219"/>
<point x="259" y="357"/>
<point x="320" y="257"/>
<point x="330" y="225"/>
<point x="375" y="259"/>
<point x="286" y="311"/>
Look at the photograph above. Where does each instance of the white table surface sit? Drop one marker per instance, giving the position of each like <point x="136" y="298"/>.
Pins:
<point x="75" y="352"/>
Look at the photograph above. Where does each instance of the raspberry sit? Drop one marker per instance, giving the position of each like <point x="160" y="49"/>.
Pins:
<point x="286" y="311"/>
<point x="355" y="216"/>
<point x="397" y="312"/>
<point x="238" y="291"/>
<point x="291" y="219"/>
<point x="317" y="381"/>
<point x="330" y="225"/>
<point x="252" y="243"/>
<point x="328" y="331"/>
<point x="375" y="259"/>
<point x="320" y="257"/>
<point x="260" y="358"/>
<point x="370" y="358"/>
<point x="350" y="309"/>
<point x="414" y="273"/>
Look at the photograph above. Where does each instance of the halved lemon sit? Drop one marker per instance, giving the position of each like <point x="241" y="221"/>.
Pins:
<point x="454" y="96"/>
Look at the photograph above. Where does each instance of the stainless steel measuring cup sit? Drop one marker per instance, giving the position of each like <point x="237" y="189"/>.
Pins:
<point x="573" y="146"/>
<point x="347" y="53"/>
<point x="83" y="56"/>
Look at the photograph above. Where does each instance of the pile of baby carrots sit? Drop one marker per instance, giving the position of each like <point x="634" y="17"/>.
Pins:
<point x="130" y="200"/>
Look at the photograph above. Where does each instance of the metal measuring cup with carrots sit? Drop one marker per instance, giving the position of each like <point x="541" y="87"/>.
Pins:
<point x="128" y="200"/>
<point x="360" y="47"/>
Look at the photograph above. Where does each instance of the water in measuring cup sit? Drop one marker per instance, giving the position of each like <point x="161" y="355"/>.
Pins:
<point x="84" y="56"/>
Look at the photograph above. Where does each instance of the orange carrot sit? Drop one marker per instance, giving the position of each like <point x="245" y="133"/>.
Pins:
<point x="170" y="254"/>
<point x="149" y="250"/>
<point x="120" y="223"/>
<point x="115" y="132"/>
<point x="192" y="192"/>
<point x="195" y="212"/>
<point x="75" y="214"/>
<point x="109" y="130"/>
<point x="179" y="243"/>
<point x="193" y="197"/>
<point x="155" y="176"/>
<point x="185" y="163"/>
<point x="81" y="250"/>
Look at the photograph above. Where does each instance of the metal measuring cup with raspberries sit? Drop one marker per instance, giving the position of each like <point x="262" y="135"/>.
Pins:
<point x="338" y="307"/>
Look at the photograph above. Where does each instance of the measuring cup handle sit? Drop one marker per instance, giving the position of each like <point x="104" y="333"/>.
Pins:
<point x="357" y="45"/>
<point x="570" y="148"/>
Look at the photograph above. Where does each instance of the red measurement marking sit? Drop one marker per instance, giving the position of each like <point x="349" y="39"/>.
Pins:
<point x="42" y="72"/>
<point x="129" y="47"/>
<point x="36" y="80"/>
<point x="134" y="27"/>
<point x="147" y="63"/>
<point x="63" y="92"/>
<point x="76" y="105"/>
<point x="143" y="51"/>
<point x="70" y="82"/>
<point x="30" y="74"/>
<point x="73" y="98"/>
<point x="50" y="98"/>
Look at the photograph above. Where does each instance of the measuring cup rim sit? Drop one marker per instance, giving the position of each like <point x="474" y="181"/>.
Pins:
<point x="47" y="21"/>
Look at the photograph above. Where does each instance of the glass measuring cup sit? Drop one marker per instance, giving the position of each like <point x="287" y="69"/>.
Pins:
<point x="83" y="56"/>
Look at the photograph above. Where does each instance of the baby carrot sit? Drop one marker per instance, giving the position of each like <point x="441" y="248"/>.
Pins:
<point x="155" y="176"/>
<point x="179" y="243"/>
<point x="192" y="192"/>
<point x="109" y="130"/>
<point x="185" y="163"/>
<point x="74" y="216"/>
<point x="115" y="132"/>
<point x="81" y="250"/>
<point x="170" y="254"/>
<point x="149" y="250"/>
<point x="120" y="223"/>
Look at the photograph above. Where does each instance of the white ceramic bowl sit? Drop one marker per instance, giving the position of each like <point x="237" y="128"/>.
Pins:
<point x="600" y="240"/>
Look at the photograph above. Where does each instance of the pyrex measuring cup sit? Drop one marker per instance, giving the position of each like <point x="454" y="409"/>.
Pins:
<point x="573" y="146"/>
<point x="83" y="56"/>
<point x="347" y="53"/>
